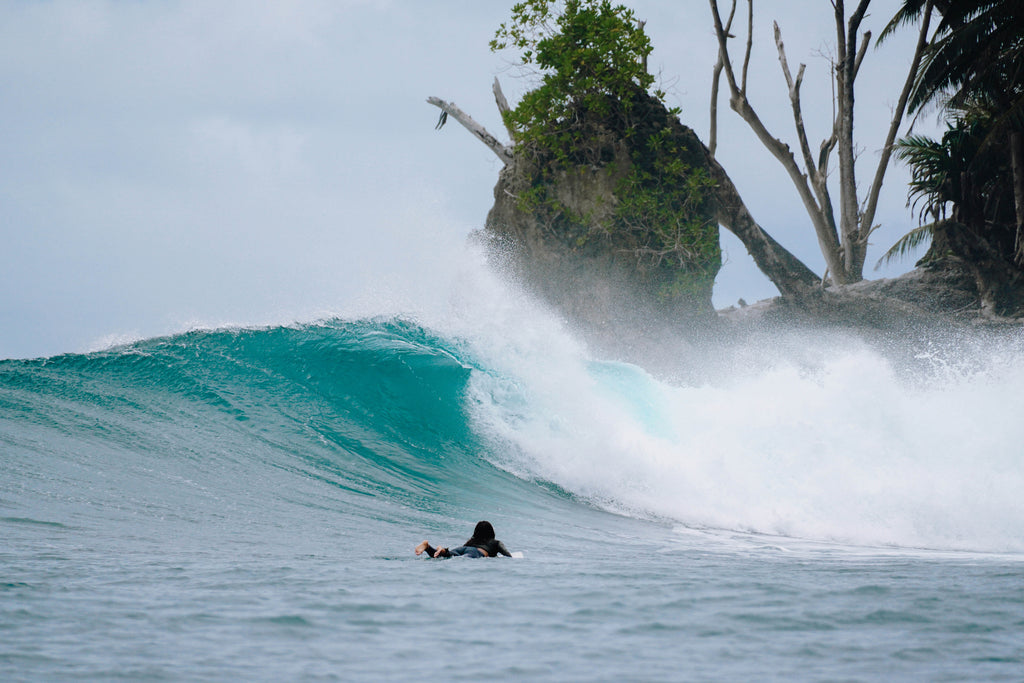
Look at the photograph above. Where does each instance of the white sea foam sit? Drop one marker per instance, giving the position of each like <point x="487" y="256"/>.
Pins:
<point x="809" y="435"/>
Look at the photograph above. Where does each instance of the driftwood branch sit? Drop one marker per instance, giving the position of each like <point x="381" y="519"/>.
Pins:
<point x="503" y="152"/>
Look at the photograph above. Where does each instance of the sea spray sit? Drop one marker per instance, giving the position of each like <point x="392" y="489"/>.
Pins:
<point x="824" y="436"/>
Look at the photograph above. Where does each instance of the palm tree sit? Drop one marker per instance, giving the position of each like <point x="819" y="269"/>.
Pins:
<point x="973" y="70"/>
<point x="977" y="58"/>
<point x="963" y="172"/>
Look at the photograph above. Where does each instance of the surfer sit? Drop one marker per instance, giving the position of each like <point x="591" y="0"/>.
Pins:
<point x="482" y="544"/>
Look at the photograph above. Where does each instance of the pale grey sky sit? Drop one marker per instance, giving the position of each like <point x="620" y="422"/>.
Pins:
<point x="172" y="163"/>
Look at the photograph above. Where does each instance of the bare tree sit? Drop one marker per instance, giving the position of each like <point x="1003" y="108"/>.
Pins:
<point x="843" y="242"/>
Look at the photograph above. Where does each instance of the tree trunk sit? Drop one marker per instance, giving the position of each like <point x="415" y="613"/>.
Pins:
<point x="792" y="278"/>
<point x="1017" y="159"/>
<point x="996" y="276"/>
<point x="871" y="205"/>
<point x="848" y="209"/>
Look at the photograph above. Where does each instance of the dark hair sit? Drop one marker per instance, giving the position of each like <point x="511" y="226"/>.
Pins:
<point x="482" y="533"/>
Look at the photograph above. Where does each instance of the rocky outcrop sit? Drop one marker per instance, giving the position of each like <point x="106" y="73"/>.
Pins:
<point x="941" y="293"/>
<point x="618" y="232"/>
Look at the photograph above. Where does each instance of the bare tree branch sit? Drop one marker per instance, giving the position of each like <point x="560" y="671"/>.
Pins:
<point x="750" y="43"/>
<point x="843" y="230"/>
<point x="818" y="173"/>
<point x="503" y="108"/>
<point x="785" y="271"/>
<point x="828" y="240"/>
<point x="713" y="126"/>
<point x="723" y="51"/>
<point x="502" y="151"/>
<point x="715" y="78"/>
<point x="856" y="18"/>
<point x="794" y="99"/>
<point x="827" y="145"/>
<point x="868" y="216"/>
<point x="864" y="41"/>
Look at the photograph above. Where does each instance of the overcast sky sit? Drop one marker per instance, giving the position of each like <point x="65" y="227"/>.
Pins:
<point x="173" y="163"/>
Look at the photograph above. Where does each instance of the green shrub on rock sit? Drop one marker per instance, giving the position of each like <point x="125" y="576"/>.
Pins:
<point x="601" y="162"/>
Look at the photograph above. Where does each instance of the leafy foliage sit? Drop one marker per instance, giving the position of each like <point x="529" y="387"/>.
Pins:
<point x="592" y="114"/>
<point x="933" y="172"/>
<point x="664" y="201"/>
<point x="973" y="68"/>
<point x="590" y="55"/>
<point x="963" y="172"/>
<point x="907" y="245"/>
<point x="978" y="49"/>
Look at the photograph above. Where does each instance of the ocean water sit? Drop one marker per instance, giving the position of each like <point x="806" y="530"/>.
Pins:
<point x="243" y="504"/>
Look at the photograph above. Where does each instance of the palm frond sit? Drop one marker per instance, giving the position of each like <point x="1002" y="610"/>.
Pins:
<point x="978" y="46"/>
<point x="907" y="244"/>
<point x="909" y="13"/>
<point x="931" y="169"/>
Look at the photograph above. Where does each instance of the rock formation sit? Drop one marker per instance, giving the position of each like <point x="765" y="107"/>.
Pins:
<point x="619" y="230"/>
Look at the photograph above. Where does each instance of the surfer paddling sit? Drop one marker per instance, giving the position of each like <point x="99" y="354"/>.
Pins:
<point x="482" y="544"/>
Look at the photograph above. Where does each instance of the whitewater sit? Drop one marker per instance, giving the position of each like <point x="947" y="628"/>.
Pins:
<point x="242" y="502"/>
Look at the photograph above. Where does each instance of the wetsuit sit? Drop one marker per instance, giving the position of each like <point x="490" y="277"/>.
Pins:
<point x="493" y="547"/>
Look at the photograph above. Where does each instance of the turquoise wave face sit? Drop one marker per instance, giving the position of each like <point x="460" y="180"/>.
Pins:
<point x="374" y="408"/>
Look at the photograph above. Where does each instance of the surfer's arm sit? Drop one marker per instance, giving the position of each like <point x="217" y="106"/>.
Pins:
<point x="502" y="550"/>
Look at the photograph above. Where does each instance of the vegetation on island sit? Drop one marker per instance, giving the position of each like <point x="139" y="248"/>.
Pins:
<point x="594" y="123"/>
<point x="595" y="108"/>
<point x="968" y="186"/>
